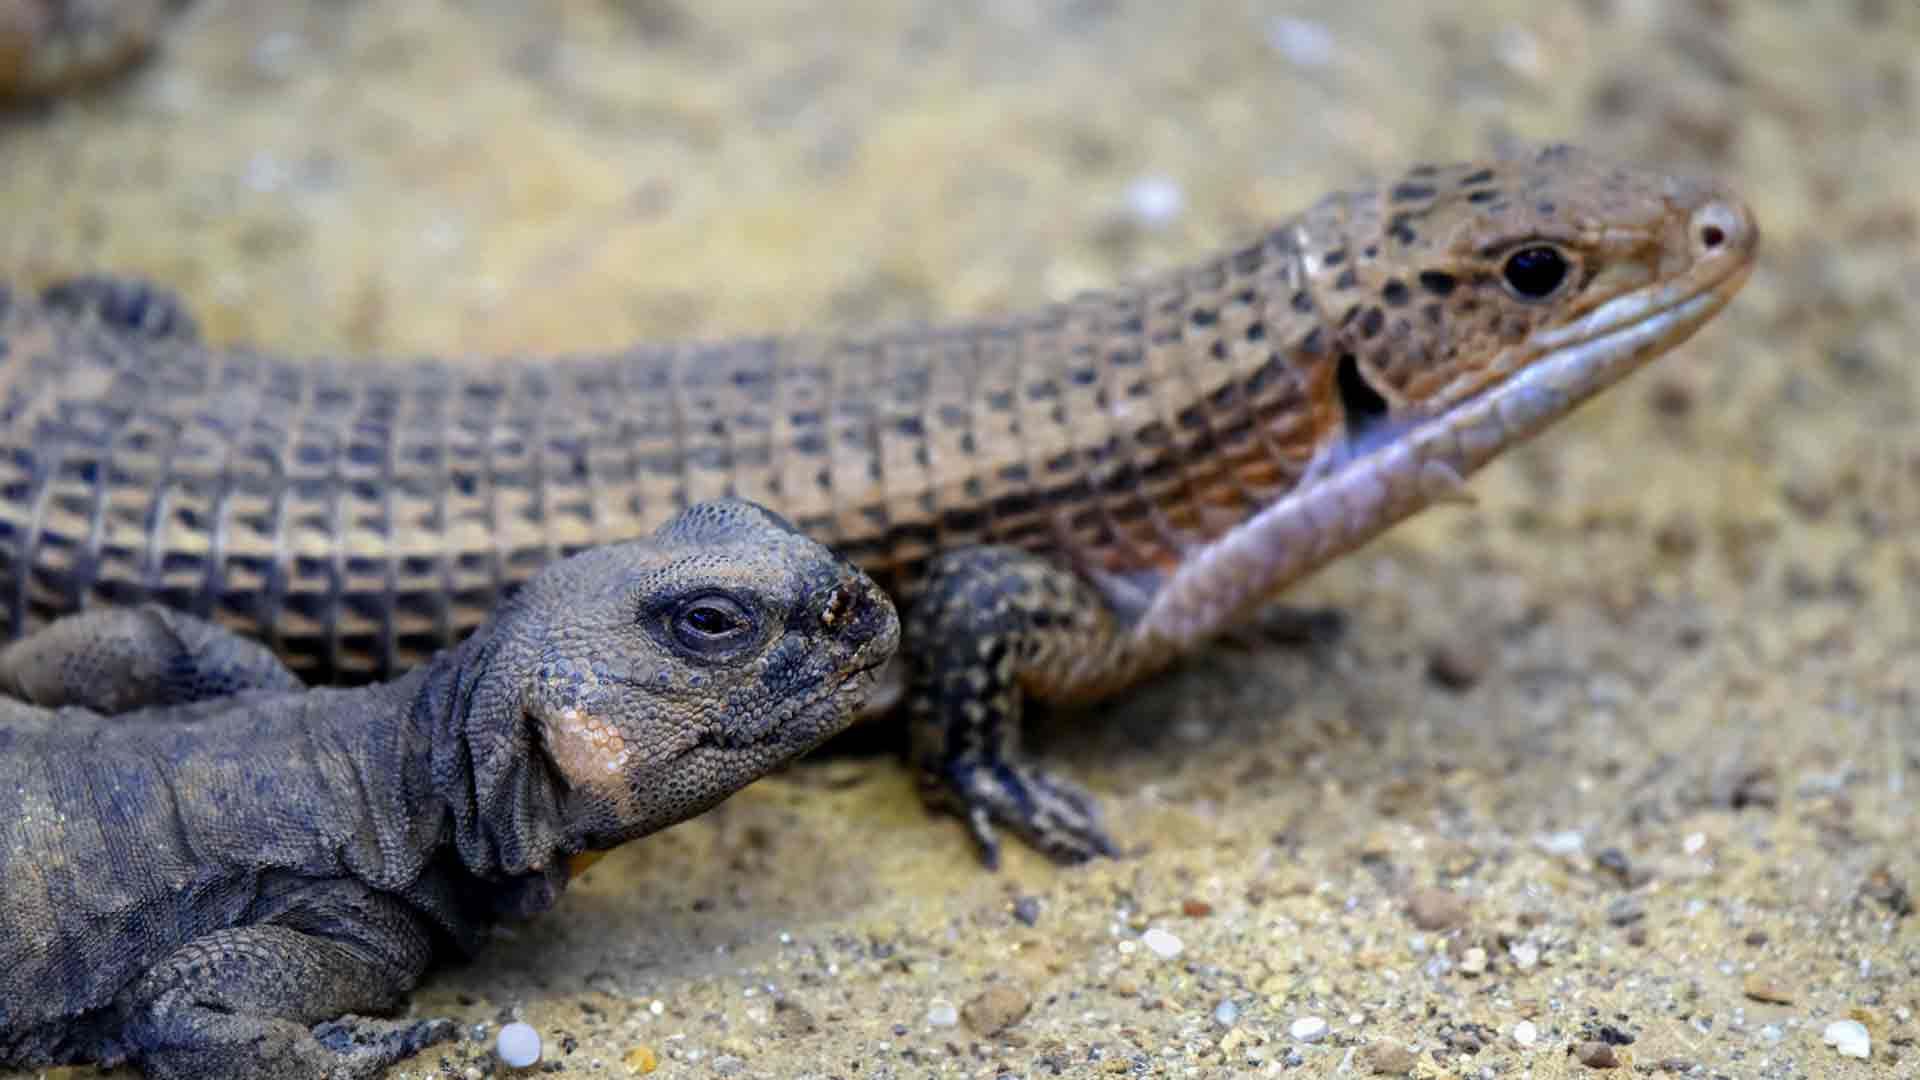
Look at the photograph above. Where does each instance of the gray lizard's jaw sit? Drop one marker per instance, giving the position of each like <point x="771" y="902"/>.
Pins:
<point x="803" y="726"/>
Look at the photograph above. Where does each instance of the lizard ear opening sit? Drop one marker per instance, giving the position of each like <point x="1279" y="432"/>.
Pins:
<point x="1365" y="409"/>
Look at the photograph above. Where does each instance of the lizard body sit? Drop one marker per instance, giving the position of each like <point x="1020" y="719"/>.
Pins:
<point x="53" y="46"/>
<point x="1062" y="500"/>
<point x="206" y="879"/>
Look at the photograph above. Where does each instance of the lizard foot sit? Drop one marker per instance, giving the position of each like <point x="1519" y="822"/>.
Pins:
<point x="367" y="1047"/>
<point x="130" y="305"/>
<point x="1056" y="817"/>
<point x="992" y="628"/>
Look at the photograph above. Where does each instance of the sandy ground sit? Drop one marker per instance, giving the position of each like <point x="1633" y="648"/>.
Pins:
<point x="1620" y="762"/>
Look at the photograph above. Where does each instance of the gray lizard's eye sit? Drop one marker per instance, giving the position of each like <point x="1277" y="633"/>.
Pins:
<point x="711" y="624"/>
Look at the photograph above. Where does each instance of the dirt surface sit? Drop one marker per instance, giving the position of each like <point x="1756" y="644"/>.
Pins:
<point x="1618" y="765"/>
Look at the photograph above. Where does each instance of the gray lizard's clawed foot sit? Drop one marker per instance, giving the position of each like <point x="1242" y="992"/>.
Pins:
<point x="381" y="1042"/>
<point x="131" y="305"/>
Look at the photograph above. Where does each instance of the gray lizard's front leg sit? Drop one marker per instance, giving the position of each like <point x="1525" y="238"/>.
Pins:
<point x="267" y="1000"/>
<point x="116" y="660"/>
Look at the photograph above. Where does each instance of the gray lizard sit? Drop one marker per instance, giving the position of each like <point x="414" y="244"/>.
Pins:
<point x="205" y="868"/>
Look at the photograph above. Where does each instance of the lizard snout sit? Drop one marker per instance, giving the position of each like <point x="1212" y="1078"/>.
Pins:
<point x="859" y="612"/>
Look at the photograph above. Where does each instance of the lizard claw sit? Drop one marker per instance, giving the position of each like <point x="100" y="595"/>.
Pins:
<point x="1057" y="818"/>
<point x="368" y="1047"/>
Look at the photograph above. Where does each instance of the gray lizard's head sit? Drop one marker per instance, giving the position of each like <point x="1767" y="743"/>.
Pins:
<point x="663" y="675"/>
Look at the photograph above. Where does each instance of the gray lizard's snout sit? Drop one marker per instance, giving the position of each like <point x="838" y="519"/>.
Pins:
<point x="864" y="617"/>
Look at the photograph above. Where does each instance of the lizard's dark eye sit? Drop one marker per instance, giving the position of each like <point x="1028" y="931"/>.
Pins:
<point x="711" y="623"/>
<point x="1533" y="273"/>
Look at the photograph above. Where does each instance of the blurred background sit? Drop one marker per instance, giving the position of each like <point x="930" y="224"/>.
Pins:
<point x="1644" y="723"/>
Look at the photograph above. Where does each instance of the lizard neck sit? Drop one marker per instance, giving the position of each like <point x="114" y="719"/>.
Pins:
<point x="506" y="807"/>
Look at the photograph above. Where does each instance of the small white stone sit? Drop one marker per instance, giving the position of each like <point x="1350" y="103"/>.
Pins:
<point x="1525" y="1033"/>
<point x="942" y="1013"/>
<point x="1850" y="1038"/>
<point x="1693" y="843"/>
<point x="1565" y="843"/>
<point x="1226" y="1013"/>
<point x="1155" y="200"/>
<point x="1162" y="944"/>
<point x="1301" y="41"/>
<point x="518" y="1045"/>
<point x="1308" y="1029"/>
<point x="1525" y="957"/>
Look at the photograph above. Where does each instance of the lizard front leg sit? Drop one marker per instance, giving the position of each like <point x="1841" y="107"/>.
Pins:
<point x="115" y="660"/>
<point x="991" y="628"/>
<point x="131" y="305"/>
<point x="274" y="1000"/>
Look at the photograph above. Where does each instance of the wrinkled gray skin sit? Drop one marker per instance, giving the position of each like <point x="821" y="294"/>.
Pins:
<point x="207" y="873"/>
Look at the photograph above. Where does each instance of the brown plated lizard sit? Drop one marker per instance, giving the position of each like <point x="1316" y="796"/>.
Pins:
<point x="203" y="874"/>
<point x="1062" y="501"/>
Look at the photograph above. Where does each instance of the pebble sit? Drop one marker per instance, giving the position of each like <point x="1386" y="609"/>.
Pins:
<point x="1155" y="200"/>
<point x="1850" y="1038"/>
<point x="1027" y="910"/>
<point x="1473" y="961"/>
<point x="518" y="1045"/>
<point x="1626" y="910"/>
<point x="1570" y="842"/>
<point x="1161" y="943"/>
<point x="1526" y="1033"/>
<point x="1385" y="1058"/>
<point x="995" y="1009"/>
<point x="1436" y="909"/>
<point x="1762" y="987"/>
<point x="1226" y="1013"/>
<point x="1301" y="41"/>
<point x="794" y="1019"/>
<point x="1596" y="1055"/>
<point x="641" y="1060"/>
<point x="942" y="1014"/>
<point x="1458" y="665"/>
<point x="1525" y="956"/>
<point x="1308" y="1029"/>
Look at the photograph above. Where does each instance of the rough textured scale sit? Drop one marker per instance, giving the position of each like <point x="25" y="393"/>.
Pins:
<point x="204" y="866"/>
<point x="1063" y="500"/>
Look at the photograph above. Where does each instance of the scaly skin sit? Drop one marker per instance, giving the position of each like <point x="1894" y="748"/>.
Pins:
<point x="1062" y="501"/>
<point x="206" y="887"/>
<point x="55" y="46"/>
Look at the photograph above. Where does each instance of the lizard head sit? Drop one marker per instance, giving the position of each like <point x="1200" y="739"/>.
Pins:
<point x="663" y="675"/>
<point x="1449" y="279"/>
<point x="1432" y="322"/>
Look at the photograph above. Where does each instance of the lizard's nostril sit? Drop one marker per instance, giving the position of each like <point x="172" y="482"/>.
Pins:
<point x="1721" y="226"/>
<point x="840" y="604"/>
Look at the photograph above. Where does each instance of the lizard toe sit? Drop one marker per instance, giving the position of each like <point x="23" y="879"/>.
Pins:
<point x="1053" y="816"/>
<point x="368" y="1047"/>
